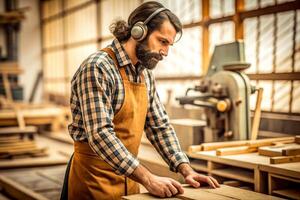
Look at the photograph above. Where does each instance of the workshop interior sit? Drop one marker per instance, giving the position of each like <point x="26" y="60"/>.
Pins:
<point x="230" y="87"/>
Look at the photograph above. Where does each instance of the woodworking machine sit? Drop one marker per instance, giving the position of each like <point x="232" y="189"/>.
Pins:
<point x="224" y="93"/>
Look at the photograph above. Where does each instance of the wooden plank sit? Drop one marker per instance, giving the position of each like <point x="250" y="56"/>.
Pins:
<point x="34" y="152"/>
<point x="284" y="159"/>
<point x="236" y="193"/>
<point x="7" y="88"/>
<point x="222" y="193"/>
<point x="195" y="148"/>
<point x="20" y="118"/>
<point x="257" y="114"/>
<point x="278" y="150"/>
<point x="297" y="139"/>
<point x="17" y="130"/>
<point x="255" y="143"/>
<point x="216" y="145"/>
<point x="18" y="191"/>
<point x="20" y="143"/>
<point x="235" y="150"/>
<point x="291" y="151"/>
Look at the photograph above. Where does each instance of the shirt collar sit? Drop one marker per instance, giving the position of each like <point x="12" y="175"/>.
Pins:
<point x="120" y="52"/>
<point x="123" y="58"/>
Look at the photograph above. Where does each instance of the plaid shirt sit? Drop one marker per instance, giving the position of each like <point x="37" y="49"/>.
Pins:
<point x="98" y="93"/>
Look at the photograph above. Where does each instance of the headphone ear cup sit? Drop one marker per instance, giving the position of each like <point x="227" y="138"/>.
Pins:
<point x="139" y="31"/>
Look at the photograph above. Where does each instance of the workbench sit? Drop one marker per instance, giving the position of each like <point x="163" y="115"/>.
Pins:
<point x="205" y="193"/>
<point x="250" y="171"/>
<point x="253" y="169"/>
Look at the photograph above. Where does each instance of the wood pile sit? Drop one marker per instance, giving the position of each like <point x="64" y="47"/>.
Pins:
<point x="280" y="150"/>
<point x="16" y="143"/>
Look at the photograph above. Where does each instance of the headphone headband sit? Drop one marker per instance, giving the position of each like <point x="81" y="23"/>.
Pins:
<point x="153" y="14"/>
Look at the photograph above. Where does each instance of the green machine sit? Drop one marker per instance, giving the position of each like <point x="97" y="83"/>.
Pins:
<point x="224" y="93"/>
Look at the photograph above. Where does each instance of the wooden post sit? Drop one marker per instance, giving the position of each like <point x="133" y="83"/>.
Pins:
<point x="257" y="114"/>
<point x="205" y="36"/>
<point x="239" y="28"/>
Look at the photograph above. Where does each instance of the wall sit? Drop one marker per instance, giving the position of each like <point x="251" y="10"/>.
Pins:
<point x="29" y="55"/>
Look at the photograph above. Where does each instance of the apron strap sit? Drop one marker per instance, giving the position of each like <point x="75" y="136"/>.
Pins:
<point x="111" y="54"/>
<point x="64" y="192"/>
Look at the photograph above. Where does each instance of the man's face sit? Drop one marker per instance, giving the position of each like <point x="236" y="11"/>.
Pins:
<point x="149" y="52"/>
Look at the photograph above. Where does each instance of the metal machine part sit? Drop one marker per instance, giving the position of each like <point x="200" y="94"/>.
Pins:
<point x="224" y="92"/>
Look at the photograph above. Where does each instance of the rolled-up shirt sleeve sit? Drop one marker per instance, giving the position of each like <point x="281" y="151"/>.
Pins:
<point x="94" y="93"/>
<point x="161" y="133"/>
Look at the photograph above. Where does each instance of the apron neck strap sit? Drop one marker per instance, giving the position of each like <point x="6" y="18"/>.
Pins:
<point x="112" y="54"/>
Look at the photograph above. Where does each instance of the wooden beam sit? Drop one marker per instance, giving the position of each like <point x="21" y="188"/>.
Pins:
<point x="257" y="114"/>
<point x="239" y="27"/>
<point x="205" y="36"/>
<point x="235" y="150"/>
<point x="284" y="159"/>
<point x="275" y="76"/>
<point x="293" y="5"/>
<point x="254" y="143"/>
<point x="291" y="151"/>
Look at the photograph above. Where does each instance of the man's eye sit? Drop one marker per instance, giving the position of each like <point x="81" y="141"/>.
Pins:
<point x="163" y="42"/>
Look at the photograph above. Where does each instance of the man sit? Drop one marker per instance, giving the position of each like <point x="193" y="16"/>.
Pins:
<point x="113" y="101"/>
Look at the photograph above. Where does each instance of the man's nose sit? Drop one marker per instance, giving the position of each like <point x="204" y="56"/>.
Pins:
<point x="164" y="52"/>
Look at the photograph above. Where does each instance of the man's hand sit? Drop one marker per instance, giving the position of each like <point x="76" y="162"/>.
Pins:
<point x="156" y="185"/>
<point x="163" y="186"/>
<point x="195" y="179"/>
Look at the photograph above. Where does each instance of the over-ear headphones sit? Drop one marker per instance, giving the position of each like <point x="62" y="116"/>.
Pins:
<point x="139" y="29"/>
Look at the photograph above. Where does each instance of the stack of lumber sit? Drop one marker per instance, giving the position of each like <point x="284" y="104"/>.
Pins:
<point x="286" y="149"/>
<point x="282" y="153"/>
<point x="16" y="142"/>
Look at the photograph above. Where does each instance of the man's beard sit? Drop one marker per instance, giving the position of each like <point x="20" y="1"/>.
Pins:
<point x="147" y="58"/>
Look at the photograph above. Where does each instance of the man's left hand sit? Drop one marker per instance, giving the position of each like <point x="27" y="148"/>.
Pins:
<point x="195" y="179"/>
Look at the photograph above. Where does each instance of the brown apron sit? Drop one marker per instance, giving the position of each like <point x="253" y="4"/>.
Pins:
<point x="90" y="176"/>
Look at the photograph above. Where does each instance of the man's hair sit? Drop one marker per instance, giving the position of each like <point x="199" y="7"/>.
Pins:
<point x="121" y="30"/>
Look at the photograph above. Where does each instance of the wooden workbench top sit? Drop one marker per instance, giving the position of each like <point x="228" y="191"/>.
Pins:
<point x="222" y="193"/>
<point x="251" y="161"/>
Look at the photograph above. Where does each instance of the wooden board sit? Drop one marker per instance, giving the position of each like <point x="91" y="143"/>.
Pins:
<point x="284" y="159"/>
<point x="203" y="193"/>
<point x="235" y="150"/>
<point x="17" y="130"/>
<point x="254" y="143"/>
<point x="279" y="150"/>
<point x="297" y="139"/>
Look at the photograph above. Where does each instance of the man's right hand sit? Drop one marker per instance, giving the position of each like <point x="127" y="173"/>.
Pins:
<point x="163" y="186"/>
<point x="156" y="185"/>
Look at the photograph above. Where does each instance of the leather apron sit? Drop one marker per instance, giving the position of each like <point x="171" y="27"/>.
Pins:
<point x="90" y="177"/>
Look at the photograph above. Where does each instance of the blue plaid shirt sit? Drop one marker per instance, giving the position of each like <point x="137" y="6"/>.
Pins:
<point x="98" y="93"/>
